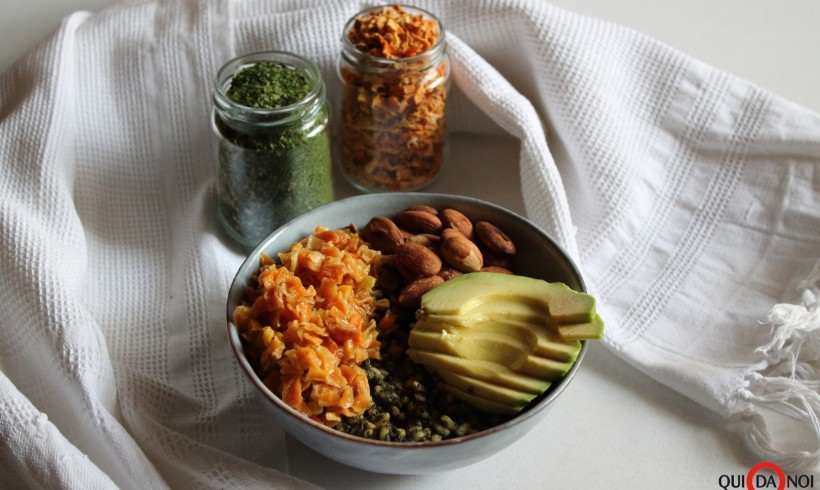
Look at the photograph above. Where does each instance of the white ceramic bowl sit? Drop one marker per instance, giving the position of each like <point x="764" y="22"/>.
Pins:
<point x="537" y="255"/>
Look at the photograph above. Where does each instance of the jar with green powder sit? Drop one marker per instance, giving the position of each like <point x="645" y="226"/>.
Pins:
<point x="270" y="120"/>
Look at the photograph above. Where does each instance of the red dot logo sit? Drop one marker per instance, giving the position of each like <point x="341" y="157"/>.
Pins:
<point x="766" y="465"/>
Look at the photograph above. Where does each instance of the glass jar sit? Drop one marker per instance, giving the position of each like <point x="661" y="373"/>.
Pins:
<point x="394" y="87"/>
<point x="274" y="161"/>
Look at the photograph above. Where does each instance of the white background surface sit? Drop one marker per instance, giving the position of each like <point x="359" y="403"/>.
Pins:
<point x="614" y="427"/>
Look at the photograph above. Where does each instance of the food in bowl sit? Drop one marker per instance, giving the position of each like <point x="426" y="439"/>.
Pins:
<point x="309" y="323"/>
<point x="329" y="328"/>
<point x="497" y="340"/>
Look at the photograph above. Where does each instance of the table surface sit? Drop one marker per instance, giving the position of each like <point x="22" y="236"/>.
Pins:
<point x="618" y="428"/>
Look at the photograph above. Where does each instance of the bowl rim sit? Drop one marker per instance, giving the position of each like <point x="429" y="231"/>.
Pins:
<point x="252" y="260"/>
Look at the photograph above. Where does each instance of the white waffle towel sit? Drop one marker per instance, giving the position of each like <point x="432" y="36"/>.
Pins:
<point x="688" y="196"/>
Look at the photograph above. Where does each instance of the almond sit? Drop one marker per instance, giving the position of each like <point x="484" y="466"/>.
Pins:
<point x="383" y="234"/>
<point x="429" y="240"/>
<point x="495" y="268"/>
<point x="426" y="209"/>
<point x="419" y="221"/>
<point x="417" y="259"/>
<point x="449" y="233"/>
<point x="451" y="218"/>
<point x="405" y="275"/>
<point x="461" y="253"/>
<point x="448" y="273"/>
<point x="410" y="296"/>
<point x="495" y="239"/>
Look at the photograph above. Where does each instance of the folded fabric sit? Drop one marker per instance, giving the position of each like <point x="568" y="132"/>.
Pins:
<point x="688" y="196"/>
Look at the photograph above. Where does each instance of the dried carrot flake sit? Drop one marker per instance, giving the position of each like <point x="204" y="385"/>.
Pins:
<point x="309" y="323"/>
<point x="392" y="129"/>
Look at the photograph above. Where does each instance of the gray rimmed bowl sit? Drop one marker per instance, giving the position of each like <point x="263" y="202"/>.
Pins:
<point x="538" y="256"/>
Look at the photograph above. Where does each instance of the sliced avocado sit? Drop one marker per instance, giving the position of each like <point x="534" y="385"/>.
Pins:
<point x="505" y="294"/>
<point x="492" y="337"/>
<point x="485" y="404"/>
<point x="525" y="310"/>
<point x="479" y="369"/>
<point x="541" y="339"/>
<point x="578" y="331"/>
<point x="494" y="347"/>
<point x="554" y="347"/>
<point x="499" y="394"/>
<point x="490" y="346"/>
<point x="544" y="368"/>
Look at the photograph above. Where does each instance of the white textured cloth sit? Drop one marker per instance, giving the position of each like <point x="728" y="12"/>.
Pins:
<point x="688" y="196"/>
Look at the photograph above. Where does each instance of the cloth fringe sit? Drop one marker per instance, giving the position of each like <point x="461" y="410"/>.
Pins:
<point x="788" y="380"/>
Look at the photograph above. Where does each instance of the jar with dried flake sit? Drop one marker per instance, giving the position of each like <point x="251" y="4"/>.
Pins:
<point x="395" y="76"/>
<point x="270" y="123"/>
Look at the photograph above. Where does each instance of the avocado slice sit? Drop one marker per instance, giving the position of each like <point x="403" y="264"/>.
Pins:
<point x="495" y="347"/>
<point x="484" y="404"/>
<point x="541" y="340"/>
<point x="579" y="331"/>
<point x="499" y="340"/>
<point x="492" y="294"/>
<point x="517" y="308"/>
<point x="545" y="368"/>
<point x="479" y="369"/>
<point x="489" y="346"/>
<point x="502" y="395"/>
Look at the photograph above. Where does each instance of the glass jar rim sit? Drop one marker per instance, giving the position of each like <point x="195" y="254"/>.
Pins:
<point x="437" y="47"/>
<point x="223" y="76"/>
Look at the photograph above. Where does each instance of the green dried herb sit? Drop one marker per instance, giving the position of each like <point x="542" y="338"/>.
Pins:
<point x="267" y="85"/>
<point x="270" y="173"/>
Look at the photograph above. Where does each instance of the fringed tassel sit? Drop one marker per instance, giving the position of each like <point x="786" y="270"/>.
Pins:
<point x="789" y="382"/>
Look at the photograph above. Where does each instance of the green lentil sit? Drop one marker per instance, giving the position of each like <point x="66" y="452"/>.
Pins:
<point x="409" y="403"/>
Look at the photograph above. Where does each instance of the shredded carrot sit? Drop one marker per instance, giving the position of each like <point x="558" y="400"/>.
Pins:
<point x="309" y="324"/>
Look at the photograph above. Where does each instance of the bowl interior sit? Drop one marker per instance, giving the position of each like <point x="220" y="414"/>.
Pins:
<point x="538" y="255"/>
